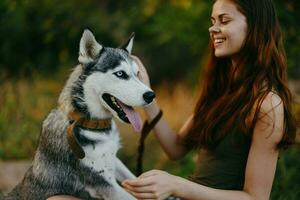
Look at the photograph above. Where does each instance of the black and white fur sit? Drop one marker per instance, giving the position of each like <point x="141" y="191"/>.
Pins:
<point x="103" y="75"/>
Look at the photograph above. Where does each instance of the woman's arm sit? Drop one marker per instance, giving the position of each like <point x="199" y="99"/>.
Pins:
<point x="156" y="184"/>
<point x="263" y="154"/>
<point x="260" y="169"/>
<point x="167" y="137"/>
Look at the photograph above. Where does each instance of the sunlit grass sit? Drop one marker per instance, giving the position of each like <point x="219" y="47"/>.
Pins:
<point x="23" y="104"/>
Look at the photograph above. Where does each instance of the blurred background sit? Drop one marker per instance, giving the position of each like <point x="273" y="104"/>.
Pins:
<point x="39" y="42"/>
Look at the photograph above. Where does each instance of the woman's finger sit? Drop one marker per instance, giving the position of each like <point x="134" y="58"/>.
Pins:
<point x="137" y="60"/>
<point x="142" y="72"/>
<point x="138" y="182"/>
<point x="62" y="197"/>
<point x="150" y="173"/>
<point x="141" y="189"/>
<point x="144" y="195"/>
<point x="139" y="64"/>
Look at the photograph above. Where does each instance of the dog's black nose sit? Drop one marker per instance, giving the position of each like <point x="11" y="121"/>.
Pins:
<point x="149" y="96"/>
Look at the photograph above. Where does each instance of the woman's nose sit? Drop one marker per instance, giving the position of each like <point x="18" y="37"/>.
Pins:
<point x="214" y="29"/>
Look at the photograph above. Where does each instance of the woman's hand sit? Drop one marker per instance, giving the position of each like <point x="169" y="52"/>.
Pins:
<point x="62" y="197"/>
<point x="154" y="184"/>
<point x="142" y="74"/>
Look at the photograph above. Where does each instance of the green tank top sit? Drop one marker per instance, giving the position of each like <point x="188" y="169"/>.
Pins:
<point x="224" y="166"/>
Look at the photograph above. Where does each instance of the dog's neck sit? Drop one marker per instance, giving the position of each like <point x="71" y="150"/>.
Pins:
<point x="89" y="123"/>
<point x="78" y="119"/>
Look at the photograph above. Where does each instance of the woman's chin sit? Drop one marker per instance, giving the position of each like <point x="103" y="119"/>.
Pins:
<point x="222" y="54"/>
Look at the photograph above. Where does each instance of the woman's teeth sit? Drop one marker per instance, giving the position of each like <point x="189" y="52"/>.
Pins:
<point x="219" y="40"/>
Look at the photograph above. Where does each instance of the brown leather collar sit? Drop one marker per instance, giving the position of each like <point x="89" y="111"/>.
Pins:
<point x="79" y="119"/>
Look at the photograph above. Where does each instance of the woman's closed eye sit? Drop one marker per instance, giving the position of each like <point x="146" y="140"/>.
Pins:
<point x="221" y="21"/>
<point x="224" y="22"/>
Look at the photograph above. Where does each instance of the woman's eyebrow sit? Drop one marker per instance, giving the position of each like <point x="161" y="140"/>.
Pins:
<point x="220" y="15"/>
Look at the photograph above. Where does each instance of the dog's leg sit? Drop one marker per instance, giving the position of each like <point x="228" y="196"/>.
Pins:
<point x="113" y="192"/>
<point x="122" y="172"/>
<point x="118" y="193"/>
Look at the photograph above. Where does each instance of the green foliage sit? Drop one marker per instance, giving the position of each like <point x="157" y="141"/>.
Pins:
<point x="286" y="184"/>
<point x="174" y="39"/>
<point x="171" y="36"/>
<point x="289" y="16"/>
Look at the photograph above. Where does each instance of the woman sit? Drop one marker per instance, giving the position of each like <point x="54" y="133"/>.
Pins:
<point x="242" y="118"/>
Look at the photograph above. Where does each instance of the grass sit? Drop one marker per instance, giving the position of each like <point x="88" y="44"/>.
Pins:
<point x="24" y="104"/>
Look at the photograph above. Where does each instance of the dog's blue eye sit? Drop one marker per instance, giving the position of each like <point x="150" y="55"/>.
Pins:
<point x="121" y="74"/>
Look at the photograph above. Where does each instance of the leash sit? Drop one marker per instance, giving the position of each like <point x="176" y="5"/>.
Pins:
<point x="80" y="120"/>
<point x="147" y="127"/>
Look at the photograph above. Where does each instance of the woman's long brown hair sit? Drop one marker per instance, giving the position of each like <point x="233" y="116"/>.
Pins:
<point x="226" y="100"/>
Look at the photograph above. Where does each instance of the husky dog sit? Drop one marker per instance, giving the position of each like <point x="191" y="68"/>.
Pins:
<point x="75" y="156"/>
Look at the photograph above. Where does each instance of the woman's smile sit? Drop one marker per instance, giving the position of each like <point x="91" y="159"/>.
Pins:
<point x="218" y="41"/>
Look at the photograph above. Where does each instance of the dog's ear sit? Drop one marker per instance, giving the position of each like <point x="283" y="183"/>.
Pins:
<point x="89" y="47"/>
<point x="129" y="43"/>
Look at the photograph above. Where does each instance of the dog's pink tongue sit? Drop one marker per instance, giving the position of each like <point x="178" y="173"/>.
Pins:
<point x="133" y="117"/>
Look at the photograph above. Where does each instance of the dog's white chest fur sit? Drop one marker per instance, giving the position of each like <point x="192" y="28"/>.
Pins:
<point x="101" y="156"/>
